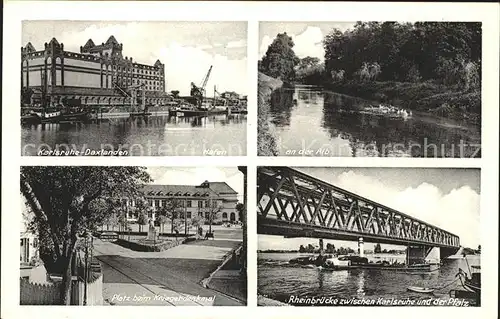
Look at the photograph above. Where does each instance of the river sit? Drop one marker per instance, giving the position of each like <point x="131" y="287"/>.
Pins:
<point x="279" y="280"/>
<point x="150" y="136"/>
<point x="308" y="121"/>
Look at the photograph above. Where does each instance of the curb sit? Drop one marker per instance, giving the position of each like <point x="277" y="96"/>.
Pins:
<point x="205" y="282"/>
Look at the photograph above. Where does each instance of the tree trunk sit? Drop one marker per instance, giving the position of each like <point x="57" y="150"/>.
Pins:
<point x="66" y="280"/>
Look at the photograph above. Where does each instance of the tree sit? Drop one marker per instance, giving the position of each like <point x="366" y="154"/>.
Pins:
<point x="174" y="209"/>
<point x="240" y="208"/>
<point x="414" y="52"/>
<point x="162" y="220"/>
<point x="211" y="212"/>
<point x="142" y="220"/>
<point x="377" y="249"/>
<point x="175" y="93"/>
<point x="144" y="210"/>
<point x="330" y="248"/>
<point x="123" y="221"/>
<point x="280" y="60"/>
<point x="67" y="201"/>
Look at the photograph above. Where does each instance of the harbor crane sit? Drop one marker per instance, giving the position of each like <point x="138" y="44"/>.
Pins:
<point x="133" y="94"/>
<point x="199" y="91"/>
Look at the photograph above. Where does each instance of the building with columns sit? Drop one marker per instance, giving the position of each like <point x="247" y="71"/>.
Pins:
<point x="196" y="200"/>
<point x="99" y="75"/>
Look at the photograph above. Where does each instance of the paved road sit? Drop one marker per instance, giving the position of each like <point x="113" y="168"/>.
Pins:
<point x="170" y="277"/>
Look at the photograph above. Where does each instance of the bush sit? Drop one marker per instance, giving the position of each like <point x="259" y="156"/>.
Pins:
<point x="149" y="247"/>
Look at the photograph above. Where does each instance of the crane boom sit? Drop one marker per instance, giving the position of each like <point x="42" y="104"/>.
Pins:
<point x="205" y="80"/>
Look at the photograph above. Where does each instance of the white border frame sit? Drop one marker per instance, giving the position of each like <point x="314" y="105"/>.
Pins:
<point x="253" y="12"/>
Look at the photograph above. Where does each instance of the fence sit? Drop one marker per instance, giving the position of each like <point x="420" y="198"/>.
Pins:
<point x="50" y="294"/>
<point x="39" y="294"/>
<point x="94" y="292"/>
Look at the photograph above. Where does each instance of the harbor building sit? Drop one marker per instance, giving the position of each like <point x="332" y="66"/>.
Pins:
<point x="99" y="75"/>
<point x="195" y="200"/>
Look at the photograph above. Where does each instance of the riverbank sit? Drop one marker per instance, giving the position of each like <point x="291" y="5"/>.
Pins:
<point x="445" y="101"/>
<point x="266" y="140"/>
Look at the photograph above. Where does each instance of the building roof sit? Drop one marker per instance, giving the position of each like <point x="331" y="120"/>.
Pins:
<point x="111" y="40"/>
<point x="177" y="190"/>
<point x="29" y="47"/>
<point x="204" y="190"/>
<point x="89" y="44"/>
<point x="221" y="188"/>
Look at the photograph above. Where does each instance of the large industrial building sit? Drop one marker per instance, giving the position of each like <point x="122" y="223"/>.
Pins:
<point x="97" y="76"/>
<point x="196" y="200"/>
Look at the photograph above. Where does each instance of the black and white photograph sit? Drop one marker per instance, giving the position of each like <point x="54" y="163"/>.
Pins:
<point x="370" y="88"/>
<point x="368" y="236"/>
<point x="110" y="88"/>
<point x="128" y="235"/>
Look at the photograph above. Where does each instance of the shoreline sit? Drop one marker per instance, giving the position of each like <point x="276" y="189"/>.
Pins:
<point x="266" y="138"/>
<point x="426" y="98"/>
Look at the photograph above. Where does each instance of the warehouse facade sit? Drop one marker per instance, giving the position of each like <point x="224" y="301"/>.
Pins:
<point x="97" y="75"/>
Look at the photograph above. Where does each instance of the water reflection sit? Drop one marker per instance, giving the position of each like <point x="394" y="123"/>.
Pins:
<point x="311" y="122"/>
<point x="158" y="135"/>
<point x="280" y="280"/>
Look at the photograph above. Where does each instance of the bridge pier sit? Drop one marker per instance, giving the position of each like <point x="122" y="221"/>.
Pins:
<point x="361" y="247"/>
<point x="321" y="250"/>
<point x="423" y="254"/>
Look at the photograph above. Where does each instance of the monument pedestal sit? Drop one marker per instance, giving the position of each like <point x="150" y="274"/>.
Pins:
<point x="152" y="234"/>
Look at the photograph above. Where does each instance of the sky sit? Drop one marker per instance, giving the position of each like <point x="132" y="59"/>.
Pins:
<point x="307" y="36"/>
<point x="197" y="175"/>
<point x="446" y="198"/>
<point x="186" y="48"/>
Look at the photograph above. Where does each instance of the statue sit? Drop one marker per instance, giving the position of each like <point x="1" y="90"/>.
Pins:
<point x="152" y="230"/>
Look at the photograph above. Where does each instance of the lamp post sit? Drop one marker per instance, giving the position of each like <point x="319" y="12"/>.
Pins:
<point x="85" y="274"/>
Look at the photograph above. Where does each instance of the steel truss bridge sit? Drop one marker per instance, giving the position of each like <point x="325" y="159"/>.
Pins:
<point x="293" y="204"/>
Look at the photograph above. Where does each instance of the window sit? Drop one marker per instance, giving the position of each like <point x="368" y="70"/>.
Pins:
<point x="188" y="215"/>
<point x="163" y="202"/>
<point x="224" y="215"/>
<point x="200" y="204"/>
<point x="189" y="203"/>
<point x="157" y="202"/>
<point x="207" y="203"/>
<point x="207" y="215"/>
<point x="200" y="214"/>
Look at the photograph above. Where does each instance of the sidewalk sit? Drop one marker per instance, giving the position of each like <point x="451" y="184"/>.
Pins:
<point x="170" y="277"/>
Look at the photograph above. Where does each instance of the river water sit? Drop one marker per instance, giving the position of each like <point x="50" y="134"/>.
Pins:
<point x="150" y="136"/>
<point x="321" y="123"/>
<point x="279" y="280"/>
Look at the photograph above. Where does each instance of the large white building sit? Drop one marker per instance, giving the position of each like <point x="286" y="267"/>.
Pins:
<point x="196" y="200"/>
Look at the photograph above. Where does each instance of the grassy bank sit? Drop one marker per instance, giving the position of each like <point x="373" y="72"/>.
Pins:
<point x="266" y="141"/>
<point x="446" y="101"/>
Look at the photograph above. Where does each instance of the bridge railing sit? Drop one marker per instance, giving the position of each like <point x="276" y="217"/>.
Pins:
<point x="293" y="197"/>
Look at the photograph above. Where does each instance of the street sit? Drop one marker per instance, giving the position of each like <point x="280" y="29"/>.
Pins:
<point x="170" y="277"/>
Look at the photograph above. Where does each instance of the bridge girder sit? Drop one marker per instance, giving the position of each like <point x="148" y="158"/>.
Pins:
<point x="294" y="204"/>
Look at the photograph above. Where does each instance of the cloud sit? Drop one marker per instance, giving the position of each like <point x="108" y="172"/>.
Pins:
<point x="184" y="49"/>
<point x="237" y="44"/>
<point x="307" y="43"/>
<point x="456" y="211"/>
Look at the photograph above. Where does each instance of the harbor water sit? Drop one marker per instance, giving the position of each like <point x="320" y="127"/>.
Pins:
<point x="308" y="121"/>
<point x="141" y="136"/>
<point x="280" y="280"/>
